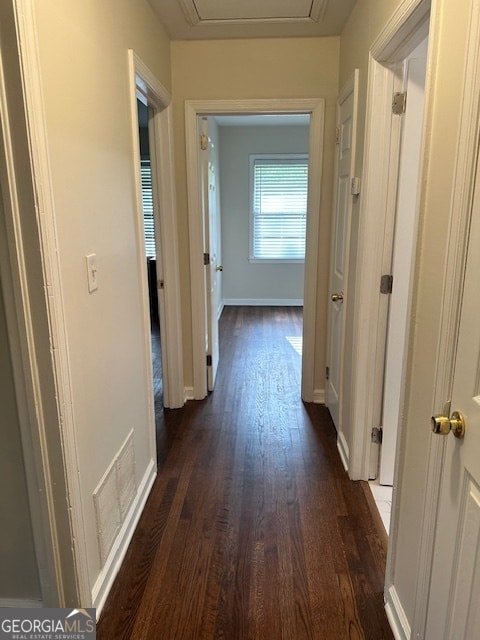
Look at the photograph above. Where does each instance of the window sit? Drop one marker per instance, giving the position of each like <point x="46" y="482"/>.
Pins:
<point x="147" y="205"/>
<point x="278" y="207"/>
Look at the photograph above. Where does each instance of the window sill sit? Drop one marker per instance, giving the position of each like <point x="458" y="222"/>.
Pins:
<point x="275" y="261"/>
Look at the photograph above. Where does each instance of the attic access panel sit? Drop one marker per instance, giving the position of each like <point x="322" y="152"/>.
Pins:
<point x="199" y="11"/>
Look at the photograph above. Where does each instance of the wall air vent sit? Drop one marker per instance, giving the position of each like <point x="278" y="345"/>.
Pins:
<point x="114" y="495"/>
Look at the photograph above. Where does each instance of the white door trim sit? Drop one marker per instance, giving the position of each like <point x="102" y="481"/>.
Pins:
<point x="453" y="277"/>
<point x="406" y="29"/>
<point x="384" y="49"/>
<point x="194" y="108"/>
<point x="142" y="80"/>
<point x="54" y="444"/>
<point x="13" y="286"/>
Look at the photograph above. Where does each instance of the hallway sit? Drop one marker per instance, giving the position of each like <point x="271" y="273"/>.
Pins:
<point x="252" y="529"/>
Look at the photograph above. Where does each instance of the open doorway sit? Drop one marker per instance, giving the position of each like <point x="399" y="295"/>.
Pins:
<point x="255" y="177"/>
<point x="150" y="242"/>
<point x="156" y="190"/>
<point x="195" y="111"/>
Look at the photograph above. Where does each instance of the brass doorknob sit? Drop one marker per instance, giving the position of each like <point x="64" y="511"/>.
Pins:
<point x="337" y="297"/>
<point x="442" y="425"/>
<point x="219" y="268"/>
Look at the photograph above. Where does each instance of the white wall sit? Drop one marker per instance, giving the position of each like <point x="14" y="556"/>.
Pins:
<point x="243" y="280"/>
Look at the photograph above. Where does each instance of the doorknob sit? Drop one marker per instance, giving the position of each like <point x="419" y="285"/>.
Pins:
<point x="443" y="425"/>
<point x="219" y="268"/>
<point x="337" y="297"/>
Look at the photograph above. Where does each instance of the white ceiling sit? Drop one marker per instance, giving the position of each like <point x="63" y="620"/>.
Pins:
<point x="217" y="19"/>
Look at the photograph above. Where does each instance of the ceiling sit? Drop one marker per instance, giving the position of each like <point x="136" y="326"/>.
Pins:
<point x="218" y="19"/>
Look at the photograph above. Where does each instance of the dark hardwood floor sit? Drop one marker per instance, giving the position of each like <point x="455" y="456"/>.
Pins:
<point x="253" y="530"/>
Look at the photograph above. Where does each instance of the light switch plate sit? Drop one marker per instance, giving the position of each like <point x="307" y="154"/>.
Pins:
<point x="92" y="274"/>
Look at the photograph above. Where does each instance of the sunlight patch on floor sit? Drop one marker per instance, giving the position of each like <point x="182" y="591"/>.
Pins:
<point x="296" y="342"/>
<point x="383" y="500"/>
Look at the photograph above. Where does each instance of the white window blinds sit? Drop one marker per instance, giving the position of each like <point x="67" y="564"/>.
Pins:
<point x="279" y="207"/>
<point x="147" y="205"/>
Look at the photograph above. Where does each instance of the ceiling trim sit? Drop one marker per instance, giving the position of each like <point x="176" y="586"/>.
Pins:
<point x="190" y="12"/>
<point x="317" y="13"/>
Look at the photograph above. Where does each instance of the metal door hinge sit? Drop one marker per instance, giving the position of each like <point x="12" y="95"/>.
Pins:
<point x="206" y="259"/>
<point x="399" y="103"/>
<point x="355" y="186"/>
<point x="377" y="435"/>
<point x="337" y="135"/>
<point x="160" y="284"/>
<point x="327" y="373"/>
<point x="203" y="142"/>
<point x="209" y="361"/>
<point x="386" y="283"/>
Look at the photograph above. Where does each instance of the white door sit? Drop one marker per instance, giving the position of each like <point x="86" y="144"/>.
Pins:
<point x="346" y="133"/>
<point x="211" y="252"/>
<point x="403" y="255"/>
<point x="454" y="602"/>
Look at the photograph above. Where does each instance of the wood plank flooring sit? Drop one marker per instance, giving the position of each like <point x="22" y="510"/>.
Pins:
<point x="252" y="530"/>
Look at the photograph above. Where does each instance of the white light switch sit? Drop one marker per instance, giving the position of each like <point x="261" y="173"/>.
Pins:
<point x="92" y="275"/>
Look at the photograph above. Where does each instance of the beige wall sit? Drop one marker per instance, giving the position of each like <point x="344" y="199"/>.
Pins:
<point x="242" y="69"/>
<point x="84" y="72"/>
<point x="444" y="87"/>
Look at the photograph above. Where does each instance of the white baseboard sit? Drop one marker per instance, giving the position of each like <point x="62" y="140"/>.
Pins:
<point x="343" y="450"/>
<point x="263" y="302"/>
<point x="104" y="582"/>
<point x="396" y="615"/>
<point x="319" y="396"/>
<point x="20" y="603"/>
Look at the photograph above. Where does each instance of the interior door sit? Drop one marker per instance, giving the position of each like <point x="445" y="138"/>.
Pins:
<point x="346" y="131"/>
<point x="211" y="252"/>
<point x="453" y="609"/>
<point x="403" y="256"/>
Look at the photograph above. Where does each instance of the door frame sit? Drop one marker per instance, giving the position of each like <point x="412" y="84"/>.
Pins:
<point x="351" y="86"/>
<point x="144" y="83"/>
<point x="406" y="29"/>
<point x="448" y="308"/>
<point x="408" y="20"/>
<point x="43" y="377"/>
<point x="194" y="108"/>
<point x="18" y="329"/>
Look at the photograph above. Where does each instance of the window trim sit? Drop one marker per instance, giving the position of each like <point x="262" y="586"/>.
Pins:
<point x="269" y="156"/>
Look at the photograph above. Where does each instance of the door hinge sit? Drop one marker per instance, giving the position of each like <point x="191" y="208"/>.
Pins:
<point x="327" y="373"/>
<point x="209" y="361"/>
<point x="337" y="135"/>
<point x="399" y="103"/>
<point x="377" y="435"/>
<point x="386" y="283"/>
<point x="160" y="284"/>
<point x="203" y="142"/>
<point x="206" y="259"/>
